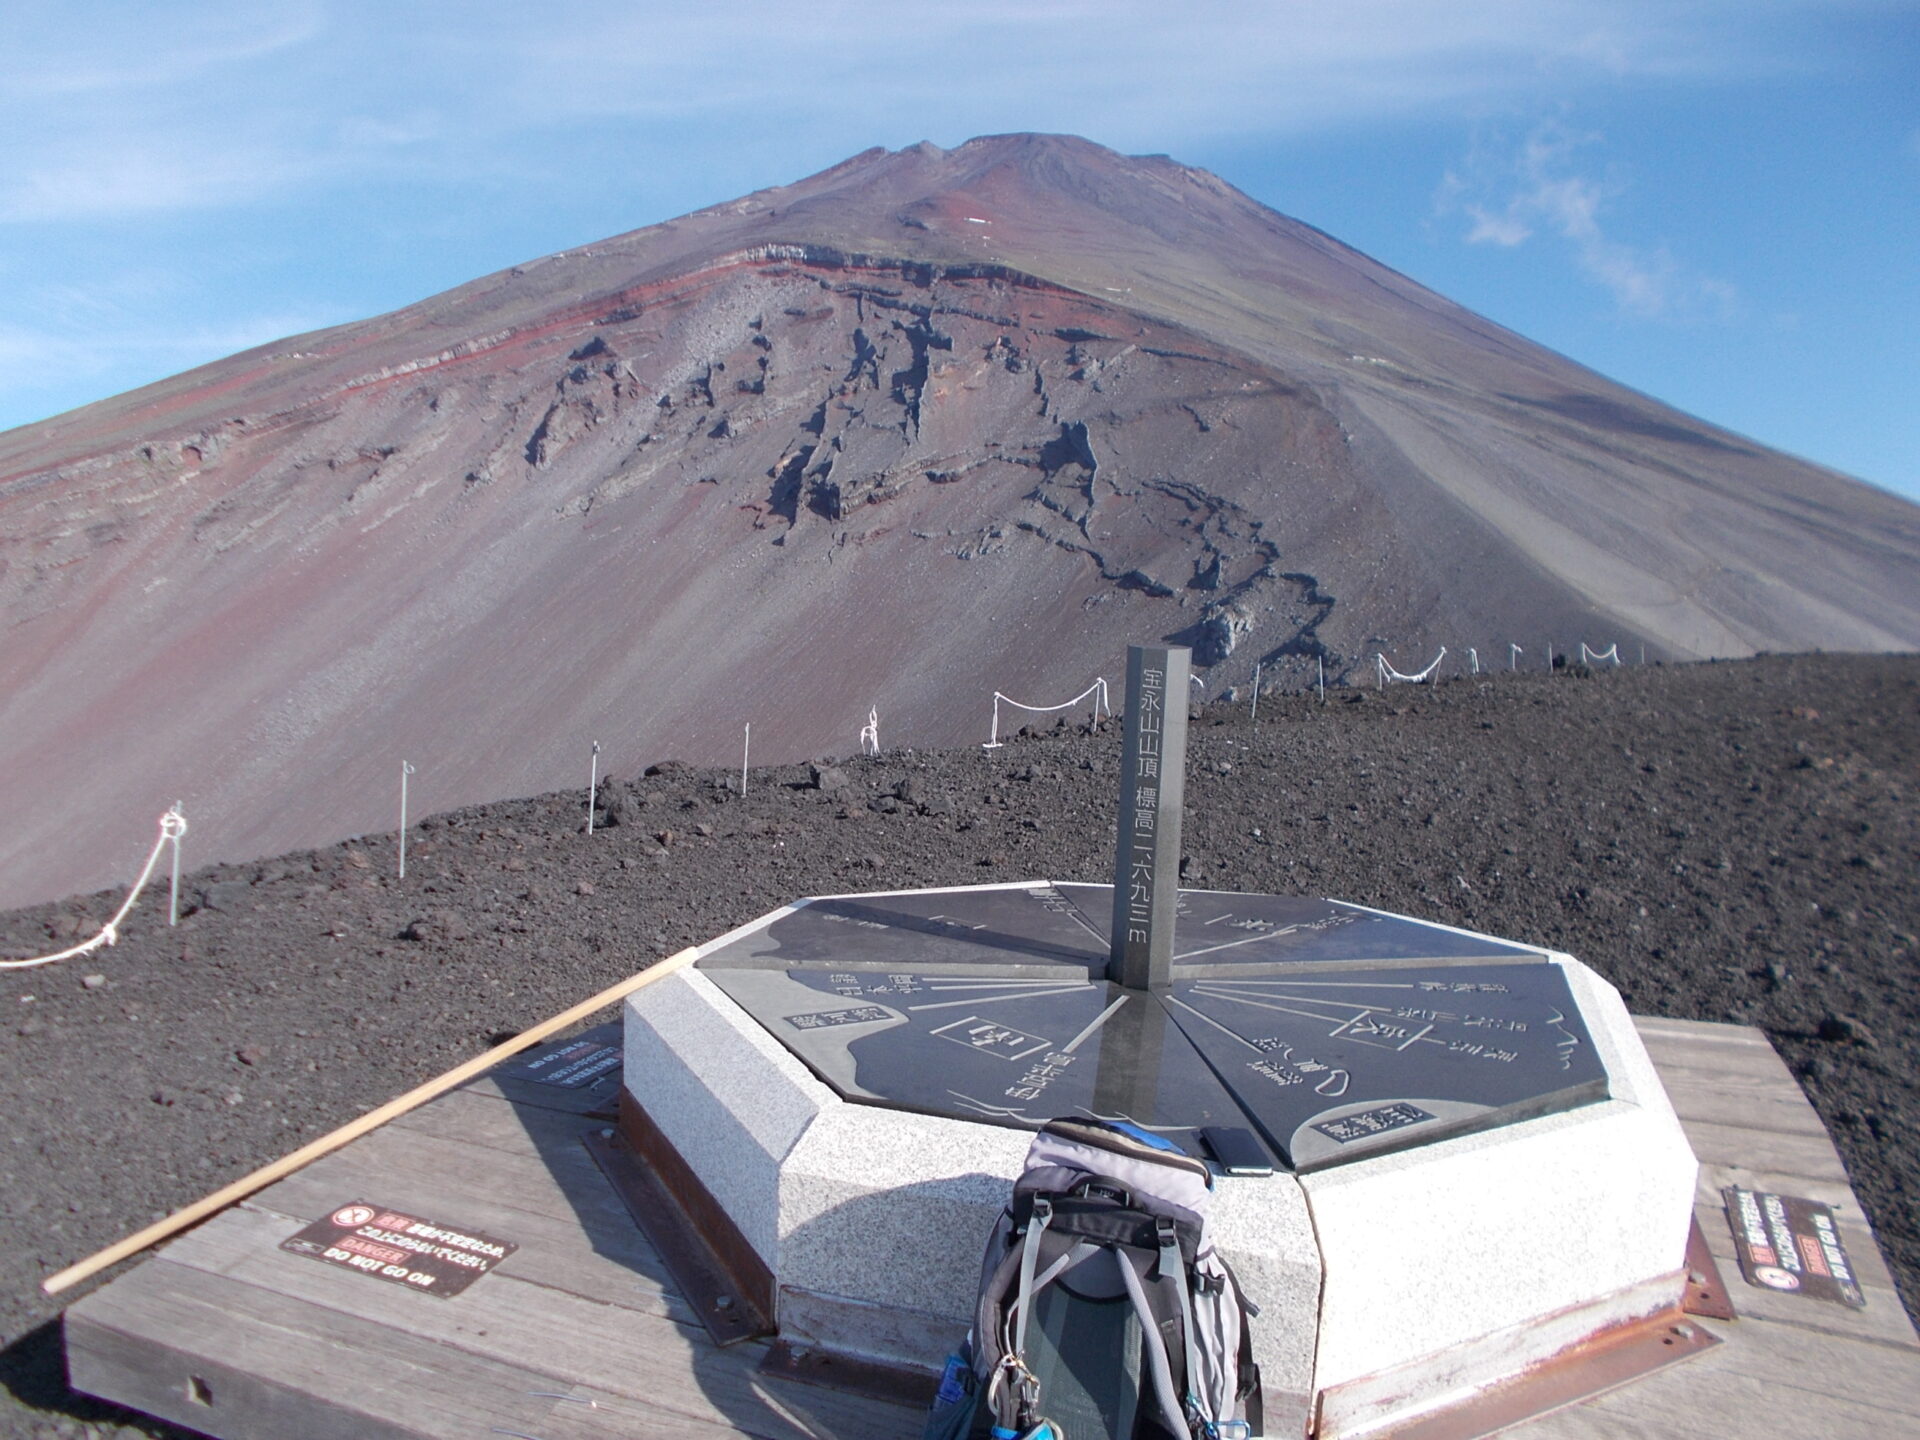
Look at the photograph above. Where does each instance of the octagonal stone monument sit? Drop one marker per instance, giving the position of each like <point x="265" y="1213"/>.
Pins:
<point x="1474" y="1167"/>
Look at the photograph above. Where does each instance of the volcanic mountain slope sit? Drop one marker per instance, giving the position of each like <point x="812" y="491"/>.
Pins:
<point x="926" y="425"/>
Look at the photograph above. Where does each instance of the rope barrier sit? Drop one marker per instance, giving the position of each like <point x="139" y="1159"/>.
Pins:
<point x="1387" y="672"/>
<point x="870" y="733"/>
<point x="172" y="826"/>
<point x="1593" y="657"/>
<point x="1098" y="690"/>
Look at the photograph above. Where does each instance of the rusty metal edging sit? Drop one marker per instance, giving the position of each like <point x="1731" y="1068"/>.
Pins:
<point x="1706" y="1293"/>
<point x="716" y="1269"/>
<point x="1614" y="1357"/>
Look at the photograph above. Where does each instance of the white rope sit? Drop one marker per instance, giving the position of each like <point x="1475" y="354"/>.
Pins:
<point x="1387" y="672"/>
<point x="870" y="732"/>
<point x="172" y="826"/>
<point x="1098" y="690"/>
<point x="1591" y="657"/>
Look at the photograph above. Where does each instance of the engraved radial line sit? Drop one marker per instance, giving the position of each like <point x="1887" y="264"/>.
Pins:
<point x="1081" y="920"/>
<point x="1290" y="1010"/>
<point x="946" y="983"/>
<point x="1244" y="981"/>
<point x="1228" y="944"/>
<point x="984" y="1108"/>
<point x="1098" y="1020"/>
<point x="1242" y="997"/>
<point x="1233" y="1034"/>
<point x="997" y="999"/>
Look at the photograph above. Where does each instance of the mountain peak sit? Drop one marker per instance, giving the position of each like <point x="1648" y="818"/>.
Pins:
<point x="925" y="426"/>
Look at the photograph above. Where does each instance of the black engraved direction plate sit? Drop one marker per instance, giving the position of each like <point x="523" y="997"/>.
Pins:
<point x="982" y="1044"/>
<point x="1331" y="1030"/>
<point x="1334" y="1064"/>
<point x="1218" y="929"/>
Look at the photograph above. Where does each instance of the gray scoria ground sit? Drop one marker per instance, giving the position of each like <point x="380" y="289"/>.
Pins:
<point x="1730" y="841"/>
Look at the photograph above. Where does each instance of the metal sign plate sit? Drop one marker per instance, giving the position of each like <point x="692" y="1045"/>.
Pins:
<point x="1790" y="1244"/>
<point x="399" y="1248"/>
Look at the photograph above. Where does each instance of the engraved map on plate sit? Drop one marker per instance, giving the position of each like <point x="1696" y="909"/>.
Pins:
<point x="1331" y="1031"/>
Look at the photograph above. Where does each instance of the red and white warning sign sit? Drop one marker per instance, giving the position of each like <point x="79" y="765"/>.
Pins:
<point x="1787" y="1243"/>
<point x="402" y="1249"/>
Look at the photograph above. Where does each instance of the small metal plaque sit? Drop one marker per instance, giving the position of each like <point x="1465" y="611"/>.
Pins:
<point x="1793" y="1245"/>
<point x="1365" y="1124"/>
<point x="858" y="1015"/>
<point x="574" y="1065"/>
<point x="399" y="1248"/>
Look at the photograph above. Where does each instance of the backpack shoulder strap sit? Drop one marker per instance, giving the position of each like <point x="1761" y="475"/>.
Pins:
<point x="1173" y="1267"/>
<point x="1157" y="1363"/>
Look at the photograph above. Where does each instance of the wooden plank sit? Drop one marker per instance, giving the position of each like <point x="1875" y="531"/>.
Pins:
<point x="797" y="1409"/>
<point x="1834" y="1193"/>
<point x="1699" y="1092"/>
<point x="1812" y="1362"/>
<point x="573" y="1230"/>
<point x="277" y="1368"/>
<point x="478" y="1117"/>
<point x="1716" y="1034"/>
<point x="1777" y="1152"/>
<point x="273" y="1369"/>
<point x="1738" y="1052"/>
<point x="1700" y="1399"/>
<point x="646" y="1360"/>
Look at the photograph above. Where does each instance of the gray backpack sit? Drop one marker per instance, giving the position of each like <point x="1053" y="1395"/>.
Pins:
<point x="1103" y="1310"/>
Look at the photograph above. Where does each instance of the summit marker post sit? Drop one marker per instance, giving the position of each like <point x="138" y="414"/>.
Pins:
<point x="1153" y="774"/>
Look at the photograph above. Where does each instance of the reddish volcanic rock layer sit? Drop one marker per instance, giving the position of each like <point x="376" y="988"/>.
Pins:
<point x="924" y="426"/>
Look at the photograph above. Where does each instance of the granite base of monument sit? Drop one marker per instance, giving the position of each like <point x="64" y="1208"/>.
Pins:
<point x="1476" y="1169"/>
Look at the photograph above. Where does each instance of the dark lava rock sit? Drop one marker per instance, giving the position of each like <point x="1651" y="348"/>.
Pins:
<point x="610" y="803"/>
<point x="437" y="925"/>
<point x="827" y="777"/>
<point x="226" y="896"/>
<point x="1846" y="1029"/>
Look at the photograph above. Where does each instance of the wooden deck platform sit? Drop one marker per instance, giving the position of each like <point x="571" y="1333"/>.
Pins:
<point x="581" y="1335"/>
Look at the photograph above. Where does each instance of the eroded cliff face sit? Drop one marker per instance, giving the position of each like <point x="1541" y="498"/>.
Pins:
<point x="775" y="492"/>
<point x="925" y="427"/>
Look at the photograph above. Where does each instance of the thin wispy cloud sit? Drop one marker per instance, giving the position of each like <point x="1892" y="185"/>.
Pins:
<point x="1549" y="184"/>
<point x="135" y="176"/>
<point x="146" y="48"/>
<point x="228" y="104"/>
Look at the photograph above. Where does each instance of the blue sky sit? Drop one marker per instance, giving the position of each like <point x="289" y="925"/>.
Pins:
<point x="1715" y="201"/>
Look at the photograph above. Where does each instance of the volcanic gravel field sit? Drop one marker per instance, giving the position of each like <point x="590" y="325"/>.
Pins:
<point x="1730" y="841"/>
